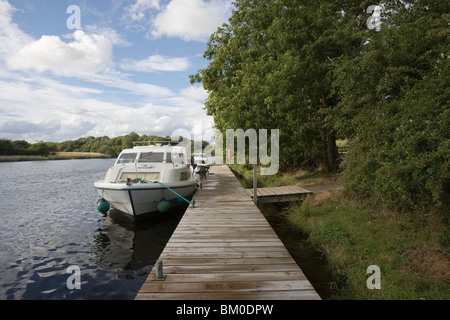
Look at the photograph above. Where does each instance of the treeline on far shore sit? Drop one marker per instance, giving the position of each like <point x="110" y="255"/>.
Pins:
<point x="54" y="156"/>
<point x="87" y="147"/>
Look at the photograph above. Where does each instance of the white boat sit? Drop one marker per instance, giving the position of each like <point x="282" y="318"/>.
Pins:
<point x="148" y="179"/>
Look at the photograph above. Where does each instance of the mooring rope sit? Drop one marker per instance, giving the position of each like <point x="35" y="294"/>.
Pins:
<point x="191" y="202"/>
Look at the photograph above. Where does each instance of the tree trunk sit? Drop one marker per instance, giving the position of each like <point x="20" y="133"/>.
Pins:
<point x="330" y="154"/>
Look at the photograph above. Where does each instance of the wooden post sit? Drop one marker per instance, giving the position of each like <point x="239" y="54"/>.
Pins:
<point x="255" y="183"/>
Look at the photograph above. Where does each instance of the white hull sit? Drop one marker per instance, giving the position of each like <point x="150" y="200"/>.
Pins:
<point x="142" y="199"/>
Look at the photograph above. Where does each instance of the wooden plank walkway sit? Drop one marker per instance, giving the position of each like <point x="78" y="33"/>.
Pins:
<point x="279" y="194"/>
<point x="224" y="249"/>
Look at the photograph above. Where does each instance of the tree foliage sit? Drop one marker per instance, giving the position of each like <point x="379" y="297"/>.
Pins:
<point x="394" y="108"/>
<point x="272" y="66"/>
<point x="108" y="146"/>
<point x="314" y="70"/>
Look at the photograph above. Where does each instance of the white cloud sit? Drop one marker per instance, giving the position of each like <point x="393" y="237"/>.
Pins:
<point x="87" y="53"/>
<point x="156" y="63"/>
<point x="36" y="103"/>
<point x="11" y="37"/>
<point x="85" y="56"/>
<point x="192" y="20"/>
<point x="109" y="33"/>
<point x="194" y="93"/>
<point x="114" y="79"/>
<point x="43" y="109"/>
<point x="138" y="10"/>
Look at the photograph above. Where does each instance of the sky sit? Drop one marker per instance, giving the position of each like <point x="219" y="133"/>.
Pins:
<point x="79" y="68"/>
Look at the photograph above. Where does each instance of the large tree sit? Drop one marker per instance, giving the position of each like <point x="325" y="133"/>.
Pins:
<point x="272" y="66"/>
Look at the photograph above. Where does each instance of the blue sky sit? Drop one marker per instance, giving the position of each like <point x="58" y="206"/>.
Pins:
<point x="125" y="69"/>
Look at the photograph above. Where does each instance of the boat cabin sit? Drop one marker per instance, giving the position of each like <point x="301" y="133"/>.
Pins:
<point x="150" y="163"/>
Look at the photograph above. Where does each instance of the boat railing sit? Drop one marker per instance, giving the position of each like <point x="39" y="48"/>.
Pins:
<point x="159" y="143"/>
<point x="152" y="143"/>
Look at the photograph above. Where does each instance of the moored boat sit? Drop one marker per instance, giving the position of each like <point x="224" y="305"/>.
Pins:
<point x="148" y="179"/>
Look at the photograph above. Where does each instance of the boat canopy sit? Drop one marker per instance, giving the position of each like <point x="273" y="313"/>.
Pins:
<point x="153" y="154"/>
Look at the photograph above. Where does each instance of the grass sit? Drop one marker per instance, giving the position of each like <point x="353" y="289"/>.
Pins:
<point x="411" y="249"/>
<point x="80" y="154"/>
<point x="352" y="237"/>
<point x="300" y="177"/>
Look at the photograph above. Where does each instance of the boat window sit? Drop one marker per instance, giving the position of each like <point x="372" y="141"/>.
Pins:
<point x="151" y="157"/>
<point x="176" y="157"/>
<point x="127" y="158"/>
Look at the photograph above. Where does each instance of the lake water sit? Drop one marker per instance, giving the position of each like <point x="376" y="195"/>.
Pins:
<point x="48" y="222"/>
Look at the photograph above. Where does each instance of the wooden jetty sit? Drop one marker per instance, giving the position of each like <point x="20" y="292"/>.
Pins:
<point x="224" y="249"/>
<point x="279" y="194"/>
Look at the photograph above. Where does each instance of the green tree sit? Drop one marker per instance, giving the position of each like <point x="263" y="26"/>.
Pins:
<point x="21" y="145"/>
<point x="272" y="66"/>
<point x="393" y="106"/>
<point x="40" y="148"/>
<point x="127" y="141"/>
<point x="6" y="147"/>
<point x="52" y="147"/>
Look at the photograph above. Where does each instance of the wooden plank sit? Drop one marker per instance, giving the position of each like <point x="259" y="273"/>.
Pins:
<point x="264" y="191"/>
<point x="278" y="191"/>
<point x="232" y="232"/>
<point x="279" y="194"/>
<point x="294" y="189"/>
<point x="233" y="268"/>
<point x="227" y="243"/>
<point x="242" y="295"/>
<point x="224" y="248"/>
<point x="202" y="261"/>
<point x="222" y="277"/>
<point x="209" y="228"/>
<point x="216" y="250"/>
<point x="225" y="286"/>
<point x="225" y="255"/>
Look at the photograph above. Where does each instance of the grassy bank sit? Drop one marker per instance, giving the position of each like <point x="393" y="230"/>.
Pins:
<point x="411" y="250"/>
<point x="56" y="156"/>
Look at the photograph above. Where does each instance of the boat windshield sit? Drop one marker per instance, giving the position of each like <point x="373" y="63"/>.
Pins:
<point x="127" y="158"/>
<point x="175" y="157"/>
<point x="151" y="157"/>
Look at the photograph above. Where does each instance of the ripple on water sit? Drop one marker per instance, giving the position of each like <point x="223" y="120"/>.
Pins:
<point x="50" y="223"/>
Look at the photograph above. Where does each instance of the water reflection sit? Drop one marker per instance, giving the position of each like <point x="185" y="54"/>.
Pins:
<point x="122" y="243"/>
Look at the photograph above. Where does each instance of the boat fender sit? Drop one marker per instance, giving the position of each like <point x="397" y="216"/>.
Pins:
<point x="163" y="205"/>
<point x="102" y="205"/>
<point x="177" y="200"/>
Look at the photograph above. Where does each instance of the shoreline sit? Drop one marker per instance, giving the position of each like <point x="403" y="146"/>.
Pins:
<point x="57" y="156"/>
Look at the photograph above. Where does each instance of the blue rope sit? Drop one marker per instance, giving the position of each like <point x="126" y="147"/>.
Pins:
<point x="193" y="201"/>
